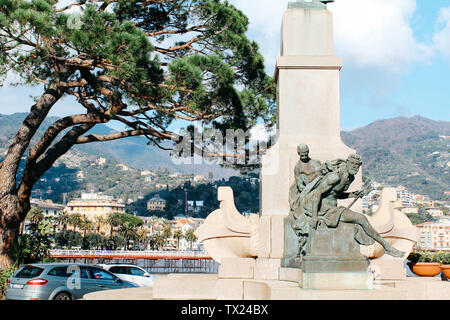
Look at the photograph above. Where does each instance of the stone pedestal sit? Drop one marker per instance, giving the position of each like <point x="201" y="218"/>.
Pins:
<point x="331" y="260"/>
<point x="333" y="250"/>
<point x="338" y="281"/>
<point x="307" y="76"/>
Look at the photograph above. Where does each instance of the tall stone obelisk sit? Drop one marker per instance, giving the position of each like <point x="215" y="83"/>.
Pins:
<point x="307" y="76"/>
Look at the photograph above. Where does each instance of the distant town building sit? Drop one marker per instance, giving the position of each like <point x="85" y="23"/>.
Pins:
<point x="410" y="210"/>
<point x="423" y="200"/>
<point x="174" y="175"/>
<point x="122" y="166"/>
<point x="48" y="207"/>
<point x="100" y="161"/>
<point x="148" y="179"/>
<point x="199" y="177"/>
<point x="94" y="204"/>
<point x="195" y="205"/>
<point x="156" y="203"/>
<point x="434" y="211"/>
<point x="434" y="235"/>
<point x="403" y="194"/>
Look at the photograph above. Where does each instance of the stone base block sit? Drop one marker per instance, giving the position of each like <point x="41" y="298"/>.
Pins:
<point x="256" y="290"/>
<point x="338" y="281"/>
<point x="267" y="269"/>
<point x="320" y="264"/>
<point x="291" y="274"/>
<point x="388" y="268"/>
<point x="239" y="289"/>
<point x="230" y="289"/>
<point x="237" y="268"/>
<point x="185" y="286"/>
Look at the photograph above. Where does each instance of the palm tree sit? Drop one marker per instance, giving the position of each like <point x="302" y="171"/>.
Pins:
<point x="35" y="215"/>
<point x="99" y="221"/>
<point x="178" y="234"/>
<point x="157" y="241"/>
<point x="85" y="224"/>
<point x="142" y="235"/>
<point x="166" y="233"/>
<point x="190" y="236"/>
<point x="113" y="220"/>
<point x="63" y="219"/>
<point x="128" y="231"/>
<point x="76" y="220"/>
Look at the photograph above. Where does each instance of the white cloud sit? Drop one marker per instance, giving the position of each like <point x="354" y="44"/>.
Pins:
<point x="368" y="33"/>
<point x="377" y="33"/>
<point x="441" y="40"/>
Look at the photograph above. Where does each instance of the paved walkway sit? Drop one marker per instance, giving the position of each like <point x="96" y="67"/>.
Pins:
<point x="413" y="288"/>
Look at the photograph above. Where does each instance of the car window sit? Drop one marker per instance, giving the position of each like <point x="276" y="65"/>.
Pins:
<point x="84" y="273"/>
<point x="136" y="271"/>
<point x="119" y="270"/>
<point x="29" y="272"/>
<point x="65" y="272"/>
<point x="100" y="274"/>
<point x="59" y="272"/>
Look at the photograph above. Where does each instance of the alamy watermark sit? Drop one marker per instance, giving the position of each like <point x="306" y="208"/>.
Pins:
<point x="234" y="147"/>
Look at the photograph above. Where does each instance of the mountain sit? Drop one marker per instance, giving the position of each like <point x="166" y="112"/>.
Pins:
<point x="413" y="152"/>
<point x="132" y="151"/>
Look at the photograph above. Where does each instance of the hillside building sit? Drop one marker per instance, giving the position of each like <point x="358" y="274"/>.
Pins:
<point x="156" y="203"/>
<point x="92" y="205"/>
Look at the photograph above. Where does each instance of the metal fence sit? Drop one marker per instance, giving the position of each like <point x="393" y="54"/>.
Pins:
<point x="128" y="253"/>
<point x="152" y="261"/>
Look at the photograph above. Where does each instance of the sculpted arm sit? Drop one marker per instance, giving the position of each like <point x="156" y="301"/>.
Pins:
<point x="328" y="182"/>
<point x="299" y="178"/>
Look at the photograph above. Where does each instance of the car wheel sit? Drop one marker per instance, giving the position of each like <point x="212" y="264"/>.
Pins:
<point x="63" y="296"/>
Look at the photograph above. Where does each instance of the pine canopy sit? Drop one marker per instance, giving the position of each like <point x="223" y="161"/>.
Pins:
<point x="144" y="63"/>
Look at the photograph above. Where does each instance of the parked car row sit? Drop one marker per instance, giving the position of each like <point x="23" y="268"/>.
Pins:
<point x="69" y="281"/>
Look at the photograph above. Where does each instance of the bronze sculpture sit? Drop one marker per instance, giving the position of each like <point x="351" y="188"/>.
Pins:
<point x="316" y="208"/>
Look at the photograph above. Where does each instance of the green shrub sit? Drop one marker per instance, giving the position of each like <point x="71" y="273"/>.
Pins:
<point x="443" y="257"/>
<point x="4" y="276"/>
<point x="439" y="257"/>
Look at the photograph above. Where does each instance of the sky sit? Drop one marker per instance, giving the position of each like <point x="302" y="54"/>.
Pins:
<point x="395" y="54"/>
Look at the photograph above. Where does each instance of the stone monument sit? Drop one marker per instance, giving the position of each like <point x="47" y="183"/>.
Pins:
<point x="260" y="255"/>
<point x="307" y="76"/>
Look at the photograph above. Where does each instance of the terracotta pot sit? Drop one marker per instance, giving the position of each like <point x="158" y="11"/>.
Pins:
<point x="445" y="268"/>
<point x="426" y="269"/>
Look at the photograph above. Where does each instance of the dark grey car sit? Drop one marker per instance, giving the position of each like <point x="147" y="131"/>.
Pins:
<point x="60" y="281"/>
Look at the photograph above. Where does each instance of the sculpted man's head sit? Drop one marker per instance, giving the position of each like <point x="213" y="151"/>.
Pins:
<point x="354" y="161"/>
<point x="303" y="152"/>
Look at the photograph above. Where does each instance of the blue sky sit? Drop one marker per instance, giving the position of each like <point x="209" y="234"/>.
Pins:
<point x="396" y="58"/>
<point x="396" y="55"/>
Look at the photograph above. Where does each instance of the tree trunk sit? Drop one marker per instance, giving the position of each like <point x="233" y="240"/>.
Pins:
<point x="12" y="214"/>
<point x="14" y="205"/>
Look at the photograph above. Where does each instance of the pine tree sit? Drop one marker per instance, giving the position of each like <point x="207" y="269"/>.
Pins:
<point x="142" y="63"/>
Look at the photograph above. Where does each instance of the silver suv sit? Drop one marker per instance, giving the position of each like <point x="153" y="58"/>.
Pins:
<point x="60" y="281"/>
<point x="130" y="273"/>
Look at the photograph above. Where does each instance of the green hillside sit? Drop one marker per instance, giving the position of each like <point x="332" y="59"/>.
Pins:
<point x="413" y="152"/>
